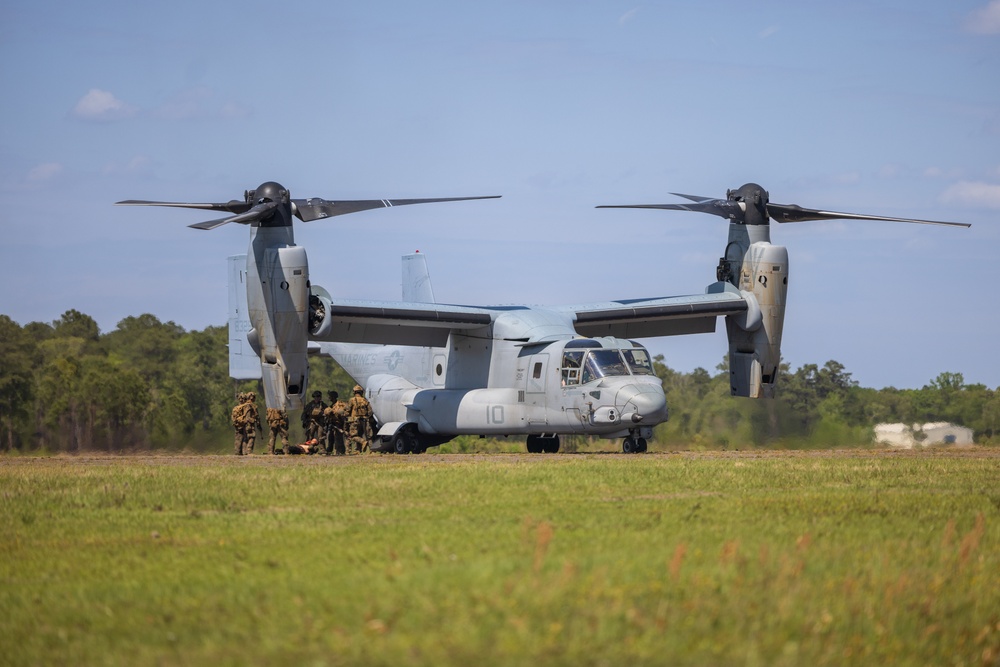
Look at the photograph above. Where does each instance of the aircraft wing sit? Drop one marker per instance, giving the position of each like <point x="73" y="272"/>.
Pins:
<point x="428" y="324"/>
<point x="399" y="322"/>
<point x="663" y="316"/>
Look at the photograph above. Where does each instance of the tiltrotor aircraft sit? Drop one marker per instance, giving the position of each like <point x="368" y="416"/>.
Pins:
<point x="434" y="371"/>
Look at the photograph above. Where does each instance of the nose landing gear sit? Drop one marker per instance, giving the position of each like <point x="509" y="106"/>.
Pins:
<point x="633" y="445"/>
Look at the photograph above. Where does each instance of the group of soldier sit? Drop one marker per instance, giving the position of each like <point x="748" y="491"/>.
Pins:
<point x="335" y="428"/>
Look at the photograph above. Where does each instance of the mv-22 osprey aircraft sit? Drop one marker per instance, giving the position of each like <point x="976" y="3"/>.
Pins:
<point x="434" y="371"/>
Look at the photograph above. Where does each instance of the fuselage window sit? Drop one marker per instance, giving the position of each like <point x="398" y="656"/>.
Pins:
<point x="537" y="373"/>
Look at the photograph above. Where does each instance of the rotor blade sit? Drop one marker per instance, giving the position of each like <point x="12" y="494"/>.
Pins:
<point x="692" y="197"/>
<point x="720" y="207"/>
<point x="210" y="224"/>
<point x="233" y="206"/>
<point x="308" y="210"/>
<point x="255" y="213"/>
<point x="794" y="213"/>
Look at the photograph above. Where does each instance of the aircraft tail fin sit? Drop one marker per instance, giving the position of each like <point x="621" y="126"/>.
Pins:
<point x="416" y="279"/>
<point x="244" y="364"/>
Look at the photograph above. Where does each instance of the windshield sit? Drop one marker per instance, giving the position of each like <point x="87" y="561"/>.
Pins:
<point x="577" y="369"/>
<point x="638" y="361"/>
<point x="603" y="363"/>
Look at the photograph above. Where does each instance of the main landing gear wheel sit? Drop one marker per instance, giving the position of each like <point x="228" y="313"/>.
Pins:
<point x="634" y="445"/>
<point x="402" y="443"/>
<point x="538" y="444"/>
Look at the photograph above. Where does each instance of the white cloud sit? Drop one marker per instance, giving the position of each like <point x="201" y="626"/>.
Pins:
<point x="100" y="105"/>
<point x="139" y="164"/>
<point x="985" y="21"/>
<point x="768" y="31"/>
<point x="847" y="178"/>
<point x="231" y="110"/>
<point x="973" y="193"/>
<point x="44" y="172"/>
<point x="628" y="16"/>
<point x="889" y="171"/>
<point x="938" y="173"/>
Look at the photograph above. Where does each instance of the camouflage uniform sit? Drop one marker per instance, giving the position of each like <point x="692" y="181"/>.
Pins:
<point x="312" y="417"/>
<point x="359" y="413"/>
<point x="335" y="418"/>
<point x="277" y="421"/>
<point x="237" y="420"/>
<point x="246" y="423"/>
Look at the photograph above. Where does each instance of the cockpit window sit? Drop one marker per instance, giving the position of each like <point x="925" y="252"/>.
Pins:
<point x="638" y="361"/>
<point x="581" y="367"/>
<point x="603" y="363"/>
<point x="571" y="367"/>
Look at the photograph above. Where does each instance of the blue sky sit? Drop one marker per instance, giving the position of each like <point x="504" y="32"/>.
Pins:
<point x="882" y="107"/>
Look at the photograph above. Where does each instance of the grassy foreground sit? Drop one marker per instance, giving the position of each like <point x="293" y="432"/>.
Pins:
<point x="864" y="557"/>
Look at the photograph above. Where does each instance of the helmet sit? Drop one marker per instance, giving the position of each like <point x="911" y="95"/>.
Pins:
<point x="241" y="397"/>
<point x="251" y="396"/>
<point x="358" y="389"/>
<point x="317" y="394"/>
<point x="333" y="395"/>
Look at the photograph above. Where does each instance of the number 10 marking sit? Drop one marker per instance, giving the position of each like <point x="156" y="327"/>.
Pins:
<point x="494" y="414"/>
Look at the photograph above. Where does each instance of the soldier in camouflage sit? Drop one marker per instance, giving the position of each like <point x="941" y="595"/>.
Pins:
<point x="359" y="413"/>
<point x="277" y="422"/>
<point x="237" y="420"/>
<point x="246" y="423"/>
<point x="312" y="417"/>
<point x="336" y="423"/>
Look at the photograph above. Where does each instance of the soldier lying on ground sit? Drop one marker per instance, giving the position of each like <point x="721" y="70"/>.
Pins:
<point x="307" y="447"/>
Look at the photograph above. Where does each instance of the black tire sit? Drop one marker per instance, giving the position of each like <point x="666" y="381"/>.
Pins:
<point x="535" y="445"/>
<point x="629" y="446"/>
<point x="550" y="445"/>
<point x="401" y="443"/>
<point x="643" y="446"/>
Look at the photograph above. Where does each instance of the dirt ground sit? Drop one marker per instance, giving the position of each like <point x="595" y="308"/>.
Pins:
<point x="173" y="459"/>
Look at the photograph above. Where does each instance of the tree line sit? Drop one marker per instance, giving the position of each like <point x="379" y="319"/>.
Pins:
<point x="67" y="387"/>
<point x="815" y="406"/>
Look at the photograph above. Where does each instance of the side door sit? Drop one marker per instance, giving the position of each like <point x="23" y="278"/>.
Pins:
<point x="572" y="396"/>
<point x="534" y="388"/>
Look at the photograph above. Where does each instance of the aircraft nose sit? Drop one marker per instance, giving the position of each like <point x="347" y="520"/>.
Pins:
<point x="642" y="404"/>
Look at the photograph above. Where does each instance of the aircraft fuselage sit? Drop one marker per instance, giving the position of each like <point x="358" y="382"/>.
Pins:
<point x="483" y="385"/>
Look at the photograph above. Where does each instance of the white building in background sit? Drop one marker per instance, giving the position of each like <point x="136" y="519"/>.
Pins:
<point x="905" y="436"/>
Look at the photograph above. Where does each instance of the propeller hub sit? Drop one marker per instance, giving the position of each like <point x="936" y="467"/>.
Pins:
<point x="271" y="192"/>
<point x="753" y="200"/>
<point x="268" y="192"/>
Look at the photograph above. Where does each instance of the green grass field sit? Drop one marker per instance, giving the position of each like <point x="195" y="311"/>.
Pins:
<point x="752" y="558"/>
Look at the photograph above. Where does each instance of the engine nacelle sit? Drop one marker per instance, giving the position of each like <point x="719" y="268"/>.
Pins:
<point x="320" y="321"/>
<point x="755" y="341"/>
<point x="277" y="283"/>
